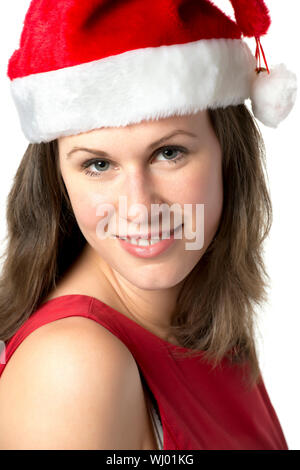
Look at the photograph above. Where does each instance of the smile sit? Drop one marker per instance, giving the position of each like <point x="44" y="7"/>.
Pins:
<point x="147" y="248"/>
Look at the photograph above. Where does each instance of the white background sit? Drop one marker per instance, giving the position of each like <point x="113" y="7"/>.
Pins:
<point x="279" y="326"/>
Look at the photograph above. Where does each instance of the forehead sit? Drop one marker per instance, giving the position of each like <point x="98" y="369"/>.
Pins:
<point x="144" y="131"/>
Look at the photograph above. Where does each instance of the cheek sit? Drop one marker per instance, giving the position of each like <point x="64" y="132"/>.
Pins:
<point x="205" y="186"/>
<point x="85" y="203"/>
<point x="85" y="213"/>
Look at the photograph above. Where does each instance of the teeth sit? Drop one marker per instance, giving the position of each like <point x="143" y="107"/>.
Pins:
<point x="147" y="242"/>
<point x="141" y="241"/>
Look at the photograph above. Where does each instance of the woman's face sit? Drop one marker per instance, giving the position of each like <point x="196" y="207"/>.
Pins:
<point x="183" y="169"/>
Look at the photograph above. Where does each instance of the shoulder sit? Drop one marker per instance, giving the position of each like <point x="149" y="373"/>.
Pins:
<point x="70" y="384"/>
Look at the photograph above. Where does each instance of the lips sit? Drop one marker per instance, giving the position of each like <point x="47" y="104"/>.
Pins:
<point x="150" y="251"/>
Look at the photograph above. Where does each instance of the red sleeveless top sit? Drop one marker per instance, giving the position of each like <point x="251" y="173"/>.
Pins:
<point x="200" y="408"/>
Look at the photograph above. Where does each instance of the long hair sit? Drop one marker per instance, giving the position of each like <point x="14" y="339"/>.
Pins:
<point x="216" y="307"/>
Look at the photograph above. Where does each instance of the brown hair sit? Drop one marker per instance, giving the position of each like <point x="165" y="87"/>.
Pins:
<point x="216" y="306"/>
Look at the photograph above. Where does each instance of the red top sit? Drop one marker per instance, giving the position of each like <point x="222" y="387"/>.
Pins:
<point x="200" y="408"/>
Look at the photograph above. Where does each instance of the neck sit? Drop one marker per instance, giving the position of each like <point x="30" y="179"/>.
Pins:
<point x="152" y="309"/>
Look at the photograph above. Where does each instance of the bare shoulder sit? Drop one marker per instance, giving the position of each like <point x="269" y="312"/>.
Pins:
<point x="71" y="384"/>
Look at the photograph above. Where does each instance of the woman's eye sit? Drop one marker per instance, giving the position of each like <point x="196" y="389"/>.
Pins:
<point x="98" y="164"/>
<point x="168" y="153"/>
<point x="171" y="154"/>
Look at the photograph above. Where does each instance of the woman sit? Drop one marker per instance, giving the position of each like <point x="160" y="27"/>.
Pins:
<point x="169" y="359"/>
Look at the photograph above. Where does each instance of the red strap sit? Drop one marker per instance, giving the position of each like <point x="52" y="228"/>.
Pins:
<point x="259" y="50"/>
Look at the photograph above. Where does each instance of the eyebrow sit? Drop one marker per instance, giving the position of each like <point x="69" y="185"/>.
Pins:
<point x="101" y="153"/>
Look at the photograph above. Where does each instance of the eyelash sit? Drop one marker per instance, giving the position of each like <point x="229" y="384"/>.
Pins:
<point x="86" y="164"/>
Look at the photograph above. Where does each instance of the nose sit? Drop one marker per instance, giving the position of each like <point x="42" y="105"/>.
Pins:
<point x="140" y="193"/>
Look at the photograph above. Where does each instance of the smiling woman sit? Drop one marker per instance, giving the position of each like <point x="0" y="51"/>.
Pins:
<point x="201" y="300"/>
<point x="169" y="360"/>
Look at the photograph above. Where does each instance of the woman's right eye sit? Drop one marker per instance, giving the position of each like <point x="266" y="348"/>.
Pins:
<point x="87" y="164"/>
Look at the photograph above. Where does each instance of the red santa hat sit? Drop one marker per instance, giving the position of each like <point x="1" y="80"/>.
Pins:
<point x="83" y="65"/>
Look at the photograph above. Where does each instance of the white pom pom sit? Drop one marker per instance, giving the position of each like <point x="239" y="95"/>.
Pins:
<point x="273" y="95"/>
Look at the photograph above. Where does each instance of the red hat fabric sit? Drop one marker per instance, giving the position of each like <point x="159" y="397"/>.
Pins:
<point x="83" y="65"/>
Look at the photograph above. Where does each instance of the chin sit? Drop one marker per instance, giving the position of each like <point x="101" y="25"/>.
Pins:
<point x="157" y="279"/>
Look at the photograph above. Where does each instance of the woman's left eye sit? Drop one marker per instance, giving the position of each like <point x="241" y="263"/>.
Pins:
<point x="179" y="150"/>
<point x="165" y="151"/>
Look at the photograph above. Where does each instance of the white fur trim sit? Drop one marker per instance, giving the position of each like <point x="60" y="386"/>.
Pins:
<point x="141" y="84"/>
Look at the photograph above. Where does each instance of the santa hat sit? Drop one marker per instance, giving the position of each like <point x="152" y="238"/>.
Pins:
<point x="83" y="65"/>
